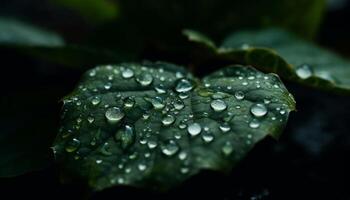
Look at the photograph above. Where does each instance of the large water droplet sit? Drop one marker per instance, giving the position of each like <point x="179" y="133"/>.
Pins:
<point x="170" y="148"/>
<point x="183" y="85"/>
<point x="258" y="110"/>
<point x="218" y="105"/>
<point x="72" y="145"/>
<point x="114" y="115"/>
<point x="127" y="73"/>
<point x="145" y="79"/>
<point x="168" y="120"/>
<point x="194" y="129"/>
<point x="304" y="71"/>
<point x="239" y="95"/>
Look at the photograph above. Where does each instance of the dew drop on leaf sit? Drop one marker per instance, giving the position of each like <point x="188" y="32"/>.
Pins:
<point x="194" y="129"/>
<point x="170" y="148"/>
<point x="304" y="71"/>
<point x="72" y="145"/>
<point x="129" y="102"/>
<point x="258" y="110"/>
<point x="227" y="148"/>
<point x="218" y="105"/>
<point x="168" y="120"/>
<point x="239" y="95"/>
<point x="144" y="79"/>
<point x="127" y="73"/>
<point x="95" y="101"/>
<point x="183" y="85"/>
<point x="114" y="115"/>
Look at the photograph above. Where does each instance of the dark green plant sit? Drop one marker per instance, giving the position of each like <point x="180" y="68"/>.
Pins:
<point x="155" y="124"/>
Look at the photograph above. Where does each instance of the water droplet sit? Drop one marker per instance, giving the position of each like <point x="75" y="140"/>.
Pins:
<point x="168" y="120"/>
<point x="179" y="105"/>
<point x="225" y="127"/>
<point x="114" y="115"/>
<point x="207" y="137"/>
<point x="218" y="105"/>
<point x="157" y="102"/>
<point x="92" y="73"/>
<point x="184" y="170"/>
<point x="282" y="112"/>
<point x="183" y="85"/>
<point x="129" y="102"/>
<point x="227" y="148"/>
<point x="194" y="129"/>
<point x="142" y="167"/>
<point x="90" y="119"/>
<point x="182" y="155"/>
<point x="183" y="95"/>
<point x="99" y="161"/>
<point x="239" y="95"/>
<point x="108" y="86"/>
<point x="126" y="136"/>
<point x="258" y="110"/>
<point x="304" y="71"/>
<point x="254" y="124"/>
<point x="72" y="145"/>
<point x="145" y="79"/>
<point x="152" y="144"/>
<point x="105" y="149"/>
<point x="160" y="89"/>
<point x="95" y="101"/>
<point x="127" y="73"/>
<point x="170" y="148"/>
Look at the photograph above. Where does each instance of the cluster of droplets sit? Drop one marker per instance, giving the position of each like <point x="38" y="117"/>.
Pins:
<point x="170" y="102"/>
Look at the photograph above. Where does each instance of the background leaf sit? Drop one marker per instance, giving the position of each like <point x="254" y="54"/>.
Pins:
<point x="275" y="50"/>
<point x="154" y="125"/>
<point x="13" y="32"/>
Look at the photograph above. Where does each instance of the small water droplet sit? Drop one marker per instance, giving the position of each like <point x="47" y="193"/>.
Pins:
<point x="127" y="73"/>
<point x="207" y="137"/>
<point x="95" y="101"/>
<point x="108" y="86"/>
<point x="184" y="170"/>
<point x="99" y="161"/>
<point x="194" y="129"/>
<point x="105" y="149"/>
<point x="170" y="148"/>
<point x="160" y="89"/>
<point x="179" y="105"/>
<point x="239" y="95"/>
<point x="114" y="115"/>
<point x="145" y="79"/>
<point x="92" y="73"/>
<point x="183" y="85"/>
<point x="126" y="136"/>
<point x="142" y="167"/>
<point x="258" y="110"/>
<point x="304" y="71"/>
<point x="152" y="144"/>
<point x="90" y="119"/>
<point x="182" y="155"/>
<point x="72" y="145"/>
<point x="129" y="102"/>
<point x="218" y="105"/>
<point x="254" y="124"/>
<point x="227" y="148"/>
<point x="225" y="127"/>
<point x="168" y="120"/>
<point x="157" y="102"/>
<point x="282" y="112"/>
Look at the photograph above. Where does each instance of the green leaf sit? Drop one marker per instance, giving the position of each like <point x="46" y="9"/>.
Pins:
<point x="18" y="33"/>
<point x="154" y="125"/>
<point x="92" y="10"/>
<point x="277" y="51"/>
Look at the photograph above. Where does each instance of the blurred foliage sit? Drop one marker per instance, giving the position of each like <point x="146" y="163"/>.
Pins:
<point x="94" y="11"/>
<point x="277" y="51"/>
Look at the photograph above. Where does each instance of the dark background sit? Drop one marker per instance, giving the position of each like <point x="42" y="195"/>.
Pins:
<point x="310" y="161"/>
